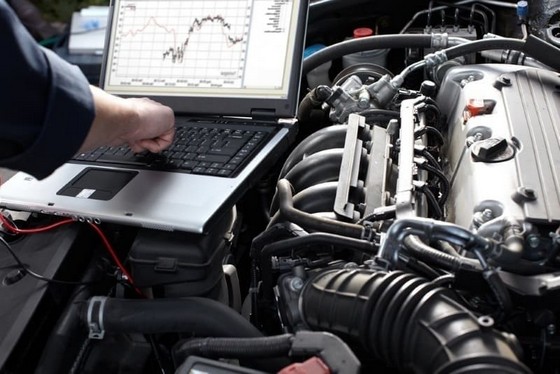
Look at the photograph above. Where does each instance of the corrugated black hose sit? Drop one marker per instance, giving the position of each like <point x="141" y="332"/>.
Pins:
<point x="408" y="322"/>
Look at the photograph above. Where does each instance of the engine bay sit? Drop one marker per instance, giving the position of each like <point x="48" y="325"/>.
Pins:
<point x="414" y="226"/>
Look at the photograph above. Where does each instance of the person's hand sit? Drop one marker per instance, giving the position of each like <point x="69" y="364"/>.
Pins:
<point x="153" y="126"/>
<point x="139" y="123"/>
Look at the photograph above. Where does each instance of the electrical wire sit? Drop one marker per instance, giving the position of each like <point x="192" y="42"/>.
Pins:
<point x="14" y="229"/>
<point x="433" y="202"/>
<point x="115" y="258"/>
<point x="107" y="245"/>
<point x="443" y="182"/>
<point x="35" y="275"/>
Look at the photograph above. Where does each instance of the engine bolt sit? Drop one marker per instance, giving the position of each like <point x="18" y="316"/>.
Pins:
<point x="534" y="241"/>
<point x="296" y="284"/>
<point x="487" y="214"/>
<point x="482" y="217"/>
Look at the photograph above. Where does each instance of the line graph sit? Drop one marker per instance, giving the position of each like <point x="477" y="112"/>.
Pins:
<point x="177" y="52"/>
<point x="180" y="43"/>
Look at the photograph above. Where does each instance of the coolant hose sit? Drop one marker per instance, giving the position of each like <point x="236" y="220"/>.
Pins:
<point x="365" y="44"/>
<point x="484" y="45"/>
<point x="309" y="221"/>
<point x="263" y="347"/>
<point x="424" y="252"/>
<point x="407" y="322"/>
<point x="315" y="200"/>
<point x="432" y="230"/>
<point x="533" y="46"/>
<point x="194" y="315"/>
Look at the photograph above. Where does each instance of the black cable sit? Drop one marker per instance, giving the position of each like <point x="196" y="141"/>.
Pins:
<point x="484" y="45"/>
<point x="379" y="115"/>
<point x="428" y="156"/>
<point x="438" y="213"/>
<point x="444" y="183"/>
<point x="430" y="130"/>
<point x="472" y="10"/>
<point x="431" y="159"/>
<point x="442" y="280"/>
<point x="365" y="44"/>
<point x="40" y="277"/>
<point x="488" y="9"/>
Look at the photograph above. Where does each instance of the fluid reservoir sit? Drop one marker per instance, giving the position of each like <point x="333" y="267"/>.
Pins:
<point x="376" y="56"/>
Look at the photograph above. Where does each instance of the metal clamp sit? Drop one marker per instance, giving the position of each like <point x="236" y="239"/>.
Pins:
<point x="95" y="317"/>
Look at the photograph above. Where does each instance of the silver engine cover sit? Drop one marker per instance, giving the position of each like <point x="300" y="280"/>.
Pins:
<point x="503" y="150"/>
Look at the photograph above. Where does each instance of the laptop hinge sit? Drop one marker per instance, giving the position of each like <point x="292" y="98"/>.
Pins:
<point x="263" y="114"/>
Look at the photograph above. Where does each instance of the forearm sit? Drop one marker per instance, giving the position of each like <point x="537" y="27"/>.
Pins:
<point x="139" y="123"/>
<point x="114" y="117"/>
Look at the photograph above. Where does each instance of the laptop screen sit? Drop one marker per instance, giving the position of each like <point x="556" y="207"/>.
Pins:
<point x="244" y="55"/>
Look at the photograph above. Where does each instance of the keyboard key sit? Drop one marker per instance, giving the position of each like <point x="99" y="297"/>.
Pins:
<point x="189" y="165"/>
<point x="199" y="149"/>
<point x="227" y="151"/>
<point x="212" y="158"/>
<point x="224" y="172"/>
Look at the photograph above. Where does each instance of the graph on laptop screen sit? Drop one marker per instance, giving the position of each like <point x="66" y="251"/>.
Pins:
<point x="229" y="47"/>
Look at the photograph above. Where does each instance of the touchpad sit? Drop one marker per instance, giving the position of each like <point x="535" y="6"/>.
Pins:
<point x="97" y="184"/>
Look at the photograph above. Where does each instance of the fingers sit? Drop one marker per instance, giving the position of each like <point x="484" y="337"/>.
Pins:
<point x="153" y="145"/>
<point x="154" y="126"/>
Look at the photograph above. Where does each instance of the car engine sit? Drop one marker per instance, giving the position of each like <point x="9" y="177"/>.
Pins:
<point x="413" y="227"/>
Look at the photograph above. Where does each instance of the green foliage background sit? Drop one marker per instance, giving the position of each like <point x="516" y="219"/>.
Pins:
<point x="61" y="10"/>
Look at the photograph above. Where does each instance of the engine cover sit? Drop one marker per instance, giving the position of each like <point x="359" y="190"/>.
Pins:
<point x="503" y="143"/>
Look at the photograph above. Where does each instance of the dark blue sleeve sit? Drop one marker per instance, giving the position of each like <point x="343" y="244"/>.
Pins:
<point x="46" y="107"/>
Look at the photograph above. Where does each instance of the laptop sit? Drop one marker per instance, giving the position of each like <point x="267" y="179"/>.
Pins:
<point x="224" y="63"/>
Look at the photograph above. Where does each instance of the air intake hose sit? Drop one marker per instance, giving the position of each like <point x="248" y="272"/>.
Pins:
<point x="407" y="322"/>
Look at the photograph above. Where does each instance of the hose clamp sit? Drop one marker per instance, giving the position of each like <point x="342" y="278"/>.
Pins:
<point x="440" y="41"/>
<point x="95" y="317"/>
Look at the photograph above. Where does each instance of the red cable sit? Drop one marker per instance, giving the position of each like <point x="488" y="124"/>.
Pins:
<point x="115" y="258"/>
<point x="104" y="239"/>
<point x="16" y="230"/>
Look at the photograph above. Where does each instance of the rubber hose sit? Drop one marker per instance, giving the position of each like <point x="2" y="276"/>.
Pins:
<point x="264" y="347"/>
<point x="408" y="322"/>
<point x="310" y="110"/>
<point x="288" y="246"/>
<point x="194" y="315"/>
<point x="431" y="229"/>
<point x="424" y="252"/>
<point x="66" y="335"/>
<point x="315" y="199"/>
<point x="346" y="47"/>
<point x="484" y="45"/>
<point x="308" y="221"/>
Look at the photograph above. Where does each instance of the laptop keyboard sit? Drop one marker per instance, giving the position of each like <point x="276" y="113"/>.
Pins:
<point x="198" y="148"/>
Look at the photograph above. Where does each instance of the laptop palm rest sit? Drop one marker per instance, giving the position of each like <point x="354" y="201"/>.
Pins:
<point x="97" y="184"/>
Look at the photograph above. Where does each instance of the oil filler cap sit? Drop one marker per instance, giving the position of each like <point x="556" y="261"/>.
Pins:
<point x="492" y="150"/>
